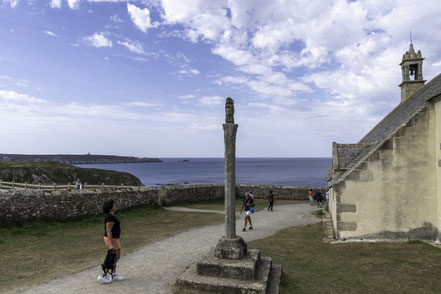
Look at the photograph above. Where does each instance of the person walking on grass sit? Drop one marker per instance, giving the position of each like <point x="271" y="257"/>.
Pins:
<point x="270" y="200"/>
<point x="112" y="232"/>
<point x="247" y="204"/>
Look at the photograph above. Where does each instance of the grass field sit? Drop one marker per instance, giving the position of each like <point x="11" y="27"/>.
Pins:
<point x="311" y="266"/>
<point x="38" y="252"/>
<point x="34" y="253"/>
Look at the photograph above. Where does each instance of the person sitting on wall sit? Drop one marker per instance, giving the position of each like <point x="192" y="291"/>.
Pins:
<point x="247" y="204"/>
<point x="78" y="184"/>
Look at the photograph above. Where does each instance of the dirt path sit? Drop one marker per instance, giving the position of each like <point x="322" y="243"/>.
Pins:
<point x="155" y="267"/>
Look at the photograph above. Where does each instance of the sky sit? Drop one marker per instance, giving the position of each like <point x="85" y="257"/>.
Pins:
<point x="149" y="78"/>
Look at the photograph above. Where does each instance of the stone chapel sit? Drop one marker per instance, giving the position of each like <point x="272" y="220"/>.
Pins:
<point x="388" y="185"/>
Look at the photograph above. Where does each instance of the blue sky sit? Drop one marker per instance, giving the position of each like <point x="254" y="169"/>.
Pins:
<point x="150" y="77"/>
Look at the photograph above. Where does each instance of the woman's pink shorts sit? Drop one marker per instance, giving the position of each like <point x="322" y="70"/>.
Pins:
<point x="115" y="243"/>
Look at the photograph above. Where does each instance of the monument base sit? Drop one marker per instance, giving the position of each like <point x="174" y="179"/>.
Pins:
<point x="230" y="248"/>
<point x="252" y="274"/>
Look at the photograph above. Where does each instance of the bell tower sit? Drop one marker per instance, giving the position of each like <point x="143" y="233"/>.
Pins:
<point x="412" y="69"/>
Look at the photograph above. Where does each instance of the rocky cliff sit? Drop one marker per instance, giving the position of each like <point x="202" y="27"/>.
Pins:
<point x="47" y="173"/>
<point x="76" y="159"/>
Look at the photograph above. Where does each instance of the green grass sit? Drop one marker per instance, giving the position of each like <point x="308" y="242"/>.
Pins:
<point x="34" y="253"/>
<point x="311" y="266"/>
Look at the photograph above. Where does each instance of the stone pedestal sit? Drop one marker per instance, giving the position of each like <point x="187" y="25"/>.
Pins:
<point x="252" y="274"/>
<point x="231" y="248"/>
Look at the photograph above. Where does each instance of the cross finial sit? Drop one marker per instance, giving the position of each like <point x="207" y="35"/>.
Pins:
<point x="411" y="37"/>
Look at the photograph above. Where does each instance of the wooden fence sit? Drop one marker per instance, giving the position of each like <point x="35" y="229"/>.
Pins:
<point x="25" y="186"/>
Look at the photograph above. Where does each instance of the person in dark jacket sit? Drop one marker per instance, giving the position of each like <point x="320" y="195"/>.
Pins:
<point x="270" y="200"/>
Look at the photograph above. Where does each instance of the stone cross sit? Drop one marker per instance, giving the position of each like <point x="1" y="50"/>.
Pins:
<point x="230" y="130"/>
<point x="230" y="246"/>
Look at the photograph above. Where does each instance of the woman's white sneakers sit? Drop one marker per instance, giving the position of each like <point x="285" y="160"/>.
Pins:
<point x="116" y="277"/>
<point x="105" y="279"/>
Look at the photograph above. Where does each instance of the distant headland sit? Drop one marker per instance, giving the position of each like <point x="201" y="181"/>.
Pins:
<point x="76" y="159"/>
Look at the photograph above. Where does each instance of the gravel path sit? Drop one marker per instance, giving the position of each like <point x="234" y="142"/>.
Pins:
<point x="155" y="267"/>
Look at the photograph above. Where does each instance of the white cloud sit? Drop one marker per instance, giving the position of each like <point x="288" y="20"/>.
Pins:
<point x="132" y="46"/>
<point x="273" y="108"/>
<point x="18" y="97"/>
<point x="140" y="17"/>
<point x="98" y="40"/>
<point x="116" y="18"/>
<point x="55" y="3"/>
<point x="140" y="104"/>
<point x="186" y="97"/>
<point x="51" y="33"/>
<point x="11" y="3"/>
<point x="73" y="4"/>
<point x="189" y="72"/>
<point x="211" y="100"/>
<point x="108" y="1"/>
<point x="437" y="64"/>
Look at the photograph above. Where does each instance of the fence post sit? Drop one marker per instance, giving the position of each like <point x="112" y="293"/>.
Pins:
<point x="85" y="185"/>
<point x="26" y="185"/>
<point x="68" y="186"/>
<point x="39" y="186"/>
<point x="122" y="185"/>
<point x="102" y="185"/>
<point x="53" y="186"/>
<point x="13" y="184"/>
<point x="0" y="184"/>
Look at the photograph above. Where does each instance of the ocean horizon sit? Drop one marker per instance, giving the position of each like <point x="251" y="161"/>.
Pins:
<point x="281" y="171"/>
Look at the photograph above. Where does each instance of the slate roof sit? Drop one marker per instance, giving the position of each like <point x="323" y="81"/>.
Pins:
<point x="394" y="120"/>
<point x="349" y="154"/>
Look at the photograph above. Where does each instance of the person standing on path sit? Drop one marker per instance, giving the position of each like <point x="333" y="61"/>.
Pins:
<point x="270" y="200"/>
<point x="112" y="232"/>
<point x="311" y="200"/>
<point x="248" y="202"/>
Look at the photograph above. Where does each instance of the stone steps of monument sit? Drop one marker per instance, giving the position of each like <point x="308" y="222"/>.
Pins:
<point x="258" y="285"/>
<point x="274" y="279"/>
<point x="244" y="268"/>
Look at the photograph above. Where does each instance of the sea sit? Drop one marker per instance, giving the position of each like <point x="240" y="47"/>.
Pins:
<point x="299" y="172"/>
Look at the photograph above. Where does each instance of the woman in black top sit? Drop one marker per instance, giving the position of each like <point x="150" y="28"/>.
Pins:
<point x="112" y="231"/>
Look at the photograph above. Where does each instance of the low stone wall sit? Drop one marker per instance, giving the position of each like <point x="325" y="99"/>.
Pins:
<point x="280" y="192"/>
<point x="173" y="194"/>
<point x="18" y="206"/>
